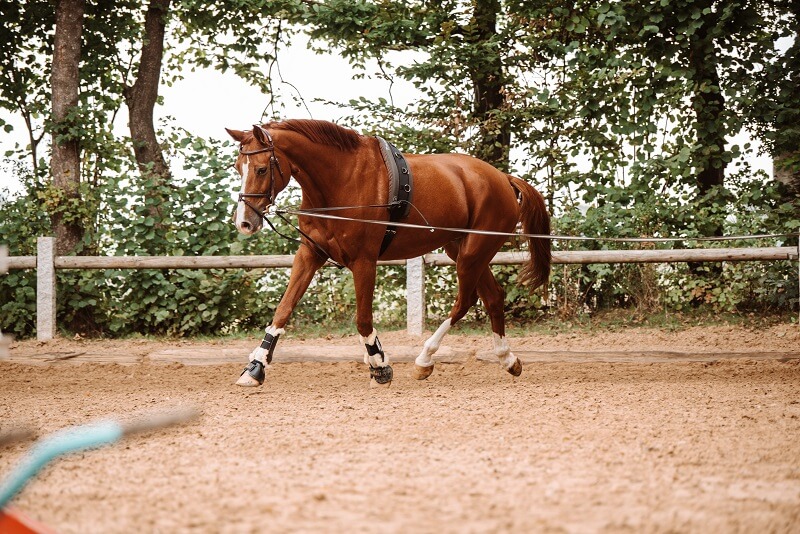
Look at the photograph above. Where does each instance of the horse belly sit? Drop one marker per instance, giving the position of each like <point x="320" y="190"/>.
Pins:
<point x="410" y="243"/>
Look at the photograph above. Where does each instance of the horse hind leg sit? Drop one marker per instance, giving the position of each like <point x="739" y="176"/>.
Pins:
<point x="508" y="360"/>
<point x="423" y="364"/>
<point x="493" y="297"/>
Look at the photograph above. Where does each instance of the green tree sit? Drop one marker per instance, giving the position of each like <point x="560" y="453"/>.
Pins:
<point x="141" y="97"/>
<point x="775" y="113"/>
<point x="27" y="36"/>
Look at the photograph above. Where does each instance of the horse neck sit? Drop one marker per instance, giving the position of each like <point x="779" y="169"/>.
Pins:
<point x="325" y="171"/>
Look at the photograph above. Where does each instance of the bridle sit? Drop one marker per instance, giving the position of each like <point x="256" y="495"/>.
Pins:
<point x="273" y="164"/>
<point x="270" y="195"/>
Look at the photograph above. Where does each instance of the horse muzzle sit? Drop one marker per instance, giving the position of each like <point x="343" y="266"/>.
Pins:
<point x="247" y="228"/>
<point x="248" y="220"/>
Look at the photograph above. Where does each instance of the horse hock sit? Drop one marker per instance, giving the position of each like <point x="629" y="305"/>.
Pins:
<point x="380" y="371"/>
<point x="255" y="371"/>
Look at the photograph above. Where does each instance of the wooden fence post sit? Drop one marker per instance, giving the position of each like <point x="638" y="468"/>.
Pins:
<point x="45" y="288"/>
<point x="415" y="296"/>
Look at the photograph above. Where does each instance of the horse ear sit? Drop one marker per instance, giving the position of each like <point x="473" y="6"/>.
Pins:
<point x="237" y="135"/>
<point x="260" y="134"/>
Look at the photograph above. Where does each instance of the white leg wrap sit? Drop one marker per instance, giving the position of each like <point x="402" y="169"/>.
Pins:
<point x="432" y="345"/>
<point x="369" y="340"/>
<point x="375" y="360"/>
<point x="261" y="354"/>
<point x="502" y="352"/>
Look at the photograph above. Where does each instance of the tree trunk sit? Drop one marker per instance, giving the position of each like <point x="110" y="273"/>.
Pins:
<point x="65" y="159"/>
<point x="141" y="98"/>
<point x="488" y="80"/>
<point x="787" y="174"/>
<point x="709" y="105"/>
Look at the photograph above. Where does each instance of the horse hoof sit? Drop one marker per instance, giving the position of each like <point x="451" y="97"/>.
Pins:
<point x="421" y="373"/>
<point x="247" y="381"/>
<point x="516" y="369"/>
<point x="380" y="376"/>
<point x="253" y="375"/>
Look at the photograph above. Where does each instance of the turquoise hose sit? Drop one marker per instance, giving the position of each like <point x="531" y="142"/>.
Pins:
<point x="57" y="444"/>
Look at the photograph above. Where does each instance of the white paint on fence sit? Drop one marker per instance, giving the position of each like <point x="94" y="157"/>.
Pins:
<point x="415" y="296"/>
<point x="45" y="288"/>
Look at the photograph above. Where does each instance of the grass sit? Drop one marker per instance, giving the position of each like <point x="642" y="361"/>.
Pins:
<point x="608" y="320"/>
<point x="619" y="319"/>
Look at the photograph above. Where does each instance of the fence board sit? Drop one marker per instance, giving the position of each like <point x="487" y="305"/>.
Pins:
<point x="640" y="256"/>
<point x="182" y="262"/>
<point x="415" y="316"/>
<point x="502" y="258"/>
<point x="21" y="262"/>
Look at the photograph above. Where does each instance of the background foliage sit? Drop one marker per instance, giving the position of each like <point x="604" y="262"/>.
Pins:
<point x="621" y="113"/>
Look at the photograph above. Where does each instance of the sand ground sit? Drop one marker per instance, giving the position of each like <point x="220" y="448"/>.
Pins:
<point x="639" y="430"/>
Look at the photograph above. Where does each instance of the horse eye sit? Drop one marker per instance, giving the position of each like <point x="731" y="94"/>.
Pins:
<point x="261" y="171"/>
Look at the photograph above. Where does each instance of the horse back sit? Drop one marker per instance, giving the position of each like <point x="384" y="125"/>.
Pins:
<point x="463" y="185"/>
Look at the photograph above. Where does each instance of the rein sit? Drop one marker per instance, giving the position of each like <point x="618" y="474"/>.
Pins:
<point x="317" y="247"/>
<point x="554" y="237"/>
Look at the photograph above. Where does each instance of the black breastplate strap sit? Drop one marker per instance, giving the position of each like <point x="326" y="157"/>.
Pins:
<point x="400" y="186"/>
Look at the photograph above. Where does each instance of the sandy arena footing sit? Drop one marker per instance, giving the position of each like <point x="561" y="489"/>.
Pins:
<point x="693" y="431"/>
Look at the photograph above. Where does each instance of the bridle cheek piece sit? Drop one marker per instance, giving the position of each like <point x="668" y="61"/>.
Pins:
<point x="273" y="164"/>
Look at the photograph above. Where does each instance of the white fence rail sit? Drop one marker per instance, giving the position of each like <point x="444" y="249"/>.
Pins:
<point x="46" y="263"/>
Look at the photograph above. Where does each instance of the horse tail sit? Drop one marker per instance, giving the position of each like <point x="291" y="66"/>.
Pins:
<point x="535" y="220"/>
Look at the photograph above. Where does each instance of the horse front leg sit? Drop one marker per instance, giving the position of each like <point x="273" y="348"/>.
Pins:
<point x="380" y="369"/>
<point x="306" y="263"/>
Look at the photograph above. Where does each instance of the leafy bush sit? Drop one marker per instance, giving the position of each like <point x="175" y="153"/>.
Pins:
<point x="191" y="217"/>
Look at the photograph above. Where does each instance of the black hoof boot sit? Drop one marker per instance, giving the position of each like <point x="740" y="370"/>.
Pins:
<point x="255" y="372"/>
<point x="381" y="375"/>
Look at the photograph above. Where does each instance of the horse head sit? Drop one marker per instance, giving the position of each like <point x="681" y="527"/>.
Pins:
<point x="264" y="175"/>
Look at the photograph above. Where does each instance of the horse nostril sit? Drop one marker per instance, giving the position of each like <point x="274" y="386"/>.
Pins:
<point x="245" y="225"/>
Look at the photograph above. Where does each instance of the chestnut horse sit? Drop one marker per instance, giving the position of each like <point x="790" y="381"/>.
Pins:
<point x="337" y="167"/>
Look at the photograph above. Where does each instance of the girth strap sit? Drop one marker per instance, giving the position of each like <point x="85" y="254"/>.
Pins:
<point x="400" y="189"/>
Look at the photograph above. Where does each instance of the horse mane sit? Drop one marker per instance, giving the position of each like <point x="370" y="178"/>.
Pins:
<point x="322" y="132"/>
